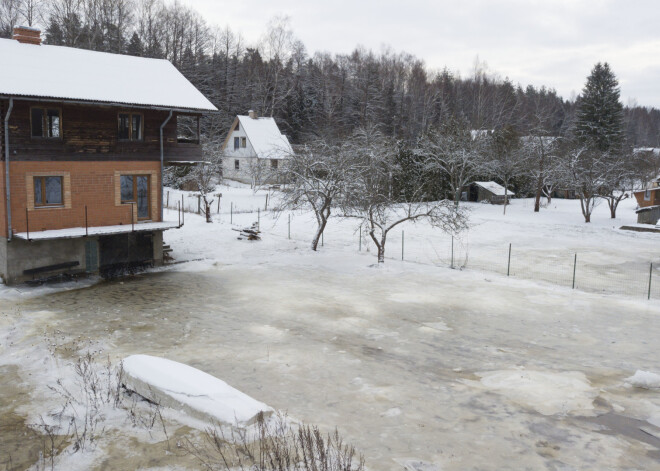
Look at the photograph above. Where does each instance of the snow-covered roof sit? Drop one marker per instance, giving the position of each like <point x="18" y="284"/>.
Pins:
<point x="66" y="73"/>
<point x="266" y="139"/>
<point x="494" y="188"/>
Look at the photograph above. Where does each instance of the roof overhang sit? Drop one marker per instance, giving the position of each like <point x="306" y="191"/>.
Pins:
<point x="107" y="103"/>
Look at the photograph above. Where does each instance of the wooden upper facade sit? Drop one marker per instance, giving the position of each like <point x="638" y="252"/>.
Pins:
<point x="92" y="133"/>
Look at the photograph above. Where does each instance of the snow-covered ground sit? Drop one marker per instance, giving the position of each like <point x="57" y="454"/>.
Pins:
<point x="416" y="364"/>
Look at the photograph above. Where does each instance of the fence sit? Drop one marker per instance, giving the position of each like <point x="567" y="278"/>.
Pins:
<point x="588" y="271"/>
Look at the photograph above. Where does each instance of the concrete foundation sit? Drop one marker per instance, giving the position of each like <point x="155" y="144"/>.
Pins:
<point x="80" y="255"/>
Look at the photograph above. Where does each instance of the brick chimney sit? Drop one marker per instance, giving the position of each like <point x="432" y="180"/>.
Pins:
<point x="252" y="114"/>
<point x="26" y="35"/>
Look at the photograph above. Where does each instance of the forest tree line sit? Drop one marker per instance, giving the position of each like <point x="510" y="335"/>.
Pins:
<point x="312" y="95"/>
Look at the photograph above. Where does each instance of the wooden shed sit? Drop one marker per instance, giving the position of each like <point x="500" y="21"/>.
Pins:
<point x="491" y="192"/>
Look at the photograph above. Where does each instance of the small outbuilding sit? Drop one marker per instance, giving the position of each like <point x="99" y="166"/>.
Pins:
<point x="491" y="192"/>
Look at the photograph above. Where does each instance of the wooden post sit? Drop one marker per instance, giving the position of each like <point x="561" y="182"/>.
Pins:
<point x="199" y="204"/>
<point x="178" y="213"/>
<point x="167" y="205"/>
<point x="219" y="196"/>
<point x="650" y="279"/>
<point x="231" y="213"/>
<point x="183" y="212"/>
<point x="133" y="217"/>
<point x="508" y="266"/>
<point x="574" y="269"/>
<point x="266" y="207"/>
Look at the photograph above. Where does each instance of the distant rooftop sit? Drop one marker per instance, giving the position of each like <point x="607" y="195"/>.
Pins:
<point x="266" y="139"/>
<point x="64" y="73"/>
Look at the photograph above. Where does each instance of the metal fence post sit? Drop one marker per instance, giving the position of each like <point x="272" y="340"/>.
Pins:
<point x="231" y="213"/>
<point x="452" y="252"/>
<point x="183" y="212"/>
<point x="508" y="265"/>
<point x="650" y="279"/>
<point x="403" y="238"/>
<point x="574" y="269"/>
<point x="167" y="205"/>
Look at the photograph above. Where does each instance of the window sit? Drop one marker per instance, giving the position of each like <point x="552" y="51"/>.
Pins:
<point x="273" y="164"/>
<point x="237" y="164"/>
<point x="135" y="190"/>
<point x="130" y="127"/>
<point x="46" y="122"/>
<point x="243" y="142"/>
<point x="647" y="195"/>
<point x="48" y="191"/>
<point x="237" y="143"/>
<point x="187" y="129"/>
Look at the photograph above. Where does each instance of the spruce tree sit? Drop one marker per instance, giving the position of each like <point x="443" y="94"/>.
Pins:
<point x="600" y="113"/>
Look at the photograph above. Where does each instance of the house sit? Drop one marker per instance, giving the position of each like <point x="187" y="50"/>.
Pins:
<point x="486" y="191"/>
<point x="254" y="150"/>
<point x="85" y="137"/>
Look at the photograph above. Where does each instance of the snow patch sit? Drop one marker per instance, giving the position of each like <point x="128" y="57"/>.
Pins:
<point x="547" y="393"/>
<point x="644" y="380"/>
<point x="199" y="394"/>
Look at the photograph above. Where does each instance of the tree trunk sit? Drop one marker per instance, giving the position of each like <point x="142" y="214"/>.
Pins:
<point x="537" y="200"/>
<point x="207" y="209"/>
<point x="381" y="253"/>
<point x="319" y="232"/>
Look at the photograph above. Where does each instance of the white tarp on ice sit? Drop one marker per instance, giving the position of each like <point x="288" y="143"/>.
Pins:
<point x="182" y="387"/>
<point x="78" y="74"/>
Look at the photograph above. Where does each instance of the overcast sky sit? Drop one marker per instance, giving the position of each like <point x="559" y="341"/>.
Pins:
<point x="551" y="42"/>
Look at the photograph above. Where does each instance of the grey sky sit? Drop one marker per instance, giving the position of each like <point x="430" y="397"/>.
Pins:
<point x="551" y="42"/>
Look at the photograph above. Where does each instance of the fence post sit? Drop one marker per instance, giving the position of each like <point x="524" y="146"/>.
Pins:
<point x="219" y="203"/>
<point x="403" y="236"/>
<point x="574" y="269"/>
<point x="231" y="213"/>
<point x="289" y="226"/>
<point x="86" y="230"/>
<point x="452" y="252"/>
<point x="650" y="278"/>
<point x="167" y="205"/>
<point x="508" y="264"/>
<point x="178" y="213"/>
<point x="199" y="204"/>
<point x="183" y="211"/>
<point x="266" y="207"/>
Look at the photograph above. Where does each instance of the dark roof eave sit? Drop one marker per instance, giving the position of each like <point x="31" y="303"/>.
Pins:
<point x="107" y="103"/>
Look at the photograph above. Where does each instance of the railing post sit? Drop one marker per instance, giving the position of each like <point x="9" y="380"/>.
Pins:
<point x="27" y="224"/>
<point x="403" y="238"/>
<point x="133" y="217"/>
<point x="508" y="265"/>
<point x="86" y="225"/>
<point x="574" y="269"/>
<point x="650" y="279"/>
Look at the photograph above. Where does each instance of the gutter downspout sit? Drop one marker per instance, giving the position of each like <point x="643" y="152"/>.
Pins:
<point x="11" y="106"/>
<point x="162" y="158"/>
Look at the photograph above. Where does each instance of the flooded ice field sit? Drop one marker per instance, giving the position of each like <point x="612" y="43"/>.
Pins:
<point x="420" y="368"/>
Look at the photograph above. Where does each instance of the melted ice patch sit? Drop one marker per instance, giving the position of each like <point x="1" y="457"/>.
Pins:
<point x="547" y="393"/>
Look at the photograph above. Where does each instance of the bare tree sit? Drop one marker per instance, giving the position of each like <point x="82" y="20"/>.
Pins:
<point x="507" y="158"/>
<point x="456" y="152"/>
<point x="620" y="178"/>
<point x="372" y="197"/>
<point x="316" y="176"/>
<point x="204" y="176"/>
<point x="10" y="14"/>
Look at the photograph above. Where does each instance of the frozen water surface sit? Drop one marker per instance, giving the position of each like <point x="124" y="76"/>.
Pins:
<point x="469" y="375"/>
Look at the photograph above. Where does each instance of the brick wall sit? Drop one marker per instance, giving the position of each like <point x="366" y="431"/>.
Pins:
<point x="86" y="183"/>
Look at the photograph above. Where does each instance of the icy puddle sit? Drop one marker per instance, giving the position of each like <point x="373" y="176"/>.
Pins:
<point x="418" y="369"/>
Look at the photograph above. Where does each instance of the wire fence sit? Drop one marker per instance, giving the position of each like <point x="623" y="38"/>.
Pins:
<point x="588" y="271"/>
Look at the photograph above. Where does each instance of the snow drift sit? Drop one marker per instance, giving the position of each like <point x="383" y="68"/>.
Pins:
<point x="182" y="387"/>
<point x="644" y="379"/>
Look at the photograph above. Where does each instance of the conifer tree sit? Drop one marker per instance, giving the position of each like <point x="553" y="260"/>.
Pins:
<point x="600" y="113"/>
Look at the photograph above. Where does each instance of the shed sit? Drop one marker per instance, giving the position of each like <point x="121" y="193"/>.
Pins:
<point x="491" y="192"/>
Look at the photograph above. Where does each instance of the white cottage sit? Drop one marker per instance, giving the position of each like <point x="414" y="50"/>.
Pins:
<point x="254" y="150"/>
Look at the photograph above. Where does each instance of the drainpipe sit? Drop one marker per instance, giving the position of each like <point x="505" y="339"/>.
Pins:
<point x="162" y="158"/>
<point x="11" y="106"/>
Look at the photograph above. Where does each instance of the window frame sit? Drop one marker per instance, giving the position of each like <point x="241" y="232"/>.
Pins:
<point x="44" y="122"/>
<point x="42" y="187"/>
<point x="243" y="142"/>
<point x="647" y="195"/>
<point x="237" y="164"/>
<point x="134" y="201"/>
<point x="274" y="164"/>
<point x="130" y="126"/>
